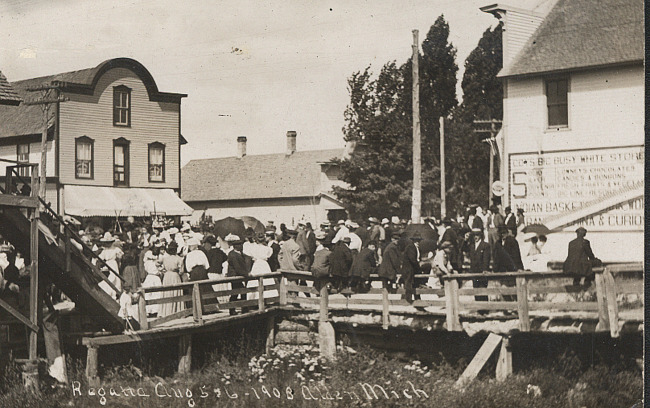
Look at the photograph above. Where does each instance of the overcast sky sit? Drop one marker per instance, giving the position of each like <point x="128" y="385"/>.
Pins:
<point x="268" y="66"/>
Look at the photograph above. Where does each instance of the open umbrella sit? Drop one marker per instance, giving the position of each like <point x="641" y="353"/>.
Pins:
<point x="422" y="231"/>
<point x="538" y="229"/>
<point x="254" y="223"/>
<point x="229" y="225"/>
<point x="237" y="226"/>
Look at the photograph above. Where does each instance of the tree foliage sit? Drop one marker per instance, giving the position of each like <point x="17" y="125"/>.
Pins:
<point x="379" y="119"/>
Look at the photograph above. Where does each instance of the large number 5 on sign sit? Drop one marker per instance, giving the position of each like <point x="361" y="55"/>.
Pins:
<point x="519" y="188"/>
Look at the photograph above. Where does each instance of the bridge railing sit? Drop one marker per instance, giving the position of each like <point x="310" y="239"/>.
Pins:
<point x="518" y="292"/>
<point x="196" y="298"/>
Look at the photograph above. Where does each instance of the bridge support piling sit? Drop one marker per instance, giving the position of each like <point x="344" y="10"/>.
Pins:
<point x="185" y="354"/>
<point x="504" y="363"/>
<point x="270" y="334"/>
<point x="91" y="366"/>
<point x="603" y="315"/>
<point x="327" y="340"/>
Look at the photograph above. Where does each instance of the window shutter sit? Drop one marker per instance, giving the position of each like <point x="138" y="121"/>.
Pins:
<point x="116" y="102"/>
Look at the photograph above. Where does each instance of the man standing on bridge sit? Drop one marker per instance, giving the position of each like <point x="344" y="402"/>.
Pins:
<point x="580" y="259"/>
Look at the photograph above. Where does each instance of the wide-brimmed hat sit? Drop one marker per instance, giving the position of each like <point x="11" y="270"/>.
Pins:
<point x="373" y="220"/>
<point x="192" y="242"/>
<point x="385" y="221"/>
<point x="348" y="223"/>
<point x="353" y="225"/>
<point x="107" y="238"/>
<point x="340" y="222"/>
<point x="232" y="238"/>
<point x="395" y="219"/>
<point x="325" y="224"/>
<point x="477" y="231"/>
<point x="173" y="231"/>
<point x="582" y="230"/>
<point x="269" y="232"/>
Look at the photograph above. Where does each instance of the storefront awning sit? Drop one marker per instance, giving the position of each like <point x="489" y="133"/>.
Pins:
<point x="89" y="201"/>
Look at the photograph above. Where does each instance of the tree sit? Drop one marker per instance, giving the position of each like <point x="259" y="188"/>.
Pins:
<point x="468" y="164"/>
<point x="379" y="119"/>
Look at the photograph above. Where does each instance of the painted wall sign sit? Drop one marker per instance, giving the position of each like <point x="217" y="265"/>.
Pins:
<point x="548" y="184"/>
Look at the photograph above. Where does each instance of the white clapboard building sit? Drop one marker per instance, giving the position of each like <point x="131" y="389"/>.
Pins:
<point x="573" y="136"/>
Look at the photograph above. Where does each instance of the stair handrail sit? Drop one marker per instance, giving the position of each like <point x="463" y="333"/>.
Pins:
<point x="73" y="233"/>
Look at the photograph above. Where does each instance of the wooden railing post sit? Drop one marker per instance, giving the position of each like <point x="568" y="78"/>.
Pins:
<point x="452" y="305"/>
<point x="601" y="297"/>
<point x="385" y="321"/>
<point x="283" y="291"/>
<point x="612" y="305"/>
<point x="260" y="294"/>
<point x="522" y="304"/>
<point x="324" y="304"/>
<point x="197" y="305"/>
<point x="142" y="311"/>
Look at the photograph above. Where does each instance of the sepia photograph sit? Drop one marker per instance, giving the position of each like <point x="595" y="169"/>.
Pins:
<point x="265" y="203"/>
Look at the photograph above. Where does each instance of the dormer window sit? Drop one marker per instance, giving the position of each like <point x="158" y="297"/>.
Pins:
<point x="122" y="106"/>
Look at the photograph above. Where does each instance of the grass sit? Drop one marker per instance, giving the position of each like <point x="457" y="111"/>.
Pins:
<point x="293" y="376"/>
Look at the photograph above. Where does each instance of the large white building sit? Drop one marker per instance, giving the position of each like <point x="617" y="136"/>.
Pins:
<point x="573" y="125"/>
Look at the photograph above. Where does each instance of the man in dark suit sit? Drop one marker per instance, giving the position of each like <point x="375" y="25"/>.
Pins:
<point x="236" y="267"/>
<point x="580" y="258"/>
<point x="215" y="255"/>
<point x="410" y="267"/>
<point x="479" y="260"/>
<point x="340" y="263"/>
<point x="510" y="257"/>
<point x="511" y="221"/>
<point x="391" y="262"/>
<point x="274" y="264"/>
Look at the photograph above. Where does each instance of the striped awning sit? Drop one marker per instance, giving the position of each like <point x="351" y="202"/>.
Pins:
<point x="90" y="201"/>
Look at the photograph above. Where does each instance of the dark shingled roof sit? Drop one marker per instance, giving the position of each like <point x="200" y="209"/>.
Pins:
<point x="8" y="95"/>
<point x="25" y="119"/>
<point x="581" y="34"/>
<point x="255" y="177"/>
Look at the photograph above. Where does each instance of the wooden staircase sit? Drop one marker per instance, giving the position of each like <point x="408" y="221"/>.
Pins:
<point x="67" y="268"/>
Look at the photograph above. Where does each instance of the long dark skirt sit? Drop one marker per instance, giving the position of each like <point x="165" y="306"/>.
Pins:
<point x="200" y="273"/>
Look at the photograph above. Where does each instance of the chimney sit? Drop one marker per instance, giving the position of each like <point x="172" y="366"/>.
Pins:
<point x="241" y="146"/>
<point x="291" y="142"/>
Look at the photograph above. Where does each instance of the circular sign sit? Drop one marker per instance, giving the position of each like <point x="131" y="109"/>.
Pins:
<point x="498" y="188"/>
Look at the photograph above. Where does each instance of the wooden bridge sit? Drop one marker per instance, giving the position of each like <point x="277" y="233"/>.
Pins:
<point x="450" y="308"/>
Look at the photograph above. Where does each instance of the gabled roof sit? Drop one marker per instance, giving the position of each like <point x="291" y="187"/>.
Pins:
<point x="28" y="119"/>
<point x="256" y="177"/>
<point x="580" y="34"/>
<point x="7" y="94"/>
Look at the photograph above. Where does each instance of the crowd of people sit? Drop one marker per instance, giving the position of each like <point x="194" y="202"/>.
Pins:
<point x="340" y="255"/>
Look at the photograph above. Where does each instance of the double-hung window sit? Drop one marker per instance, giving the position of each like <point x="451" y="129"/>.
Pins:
<point x="157" y="162"/>
<point x="84" y="157"/>
<point x="557" y="102"/>
<point x="121" y="106"/>
<point x="22" y="156"/>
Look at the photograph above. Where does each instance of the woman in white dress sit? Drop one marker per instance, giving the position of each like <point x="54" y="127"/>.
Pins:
<point x="111" y="254"/>
<point x="152" y="280"/>
<point x="260" y="254"/>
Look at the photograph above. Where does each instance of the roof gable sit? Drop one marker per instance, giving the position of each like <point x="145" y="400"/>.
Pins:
<point x="28" y="119"/>
<point x="256" y="177"/>
<point x="580" y="34"/>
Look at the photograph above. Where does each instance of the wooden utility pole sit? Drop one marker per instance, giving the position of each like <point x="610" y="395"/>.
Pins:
<point x="492" y="142"/>
<point x="45" y="101"/>
<point x="416" y="207"/>
<point x="443" y="187"/>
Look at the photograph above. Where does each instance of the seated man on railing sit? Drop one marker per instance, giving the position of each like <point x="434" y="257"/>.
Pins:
<point x="580" y="259"/>
<point x="441" y="264"/>
<point x="391" y="263"/>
